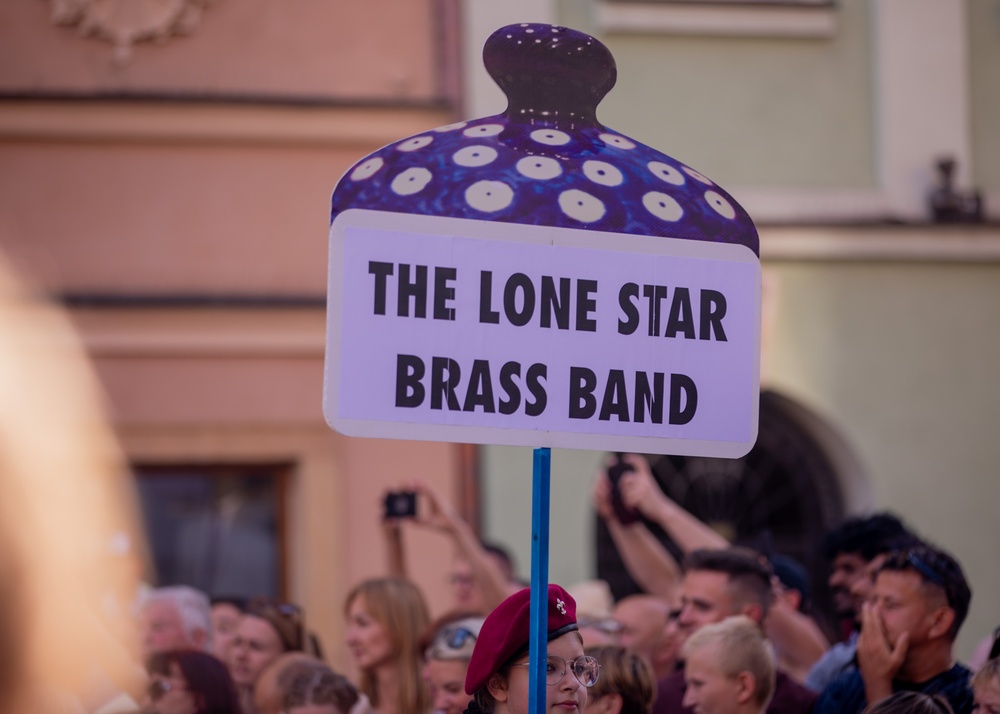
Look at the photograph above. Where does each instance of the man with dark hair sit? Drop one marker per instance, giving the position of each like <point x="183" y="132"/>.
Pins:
<point x="855" y="550"/>
<point x="908" y="629"/>
<point x="849" y="548"/>
<point x="718" y="584"/>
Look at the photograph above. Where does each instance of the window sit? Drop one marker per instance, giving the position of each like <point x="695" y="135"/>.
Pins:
<point x="215" y="527"/>
<point x="733" y="18"/>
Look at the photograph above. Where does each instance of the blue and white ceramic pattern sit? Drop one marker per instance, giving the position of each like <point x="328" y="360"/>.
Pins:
<point x="546" y="160"/>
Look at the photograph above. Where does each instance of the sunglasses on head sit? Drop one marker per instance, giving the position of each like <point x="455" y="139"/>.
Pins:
<point x="924" y="568"/>
<point x="276" y="612"/>
<point x="456" y="637"/>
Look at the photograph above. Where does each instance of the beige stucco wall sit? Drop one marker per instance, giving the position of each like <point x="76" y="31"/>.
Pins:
<point x="747" y="111"/>
<point x="984" y="58"/>
<point x="900" y="357"/>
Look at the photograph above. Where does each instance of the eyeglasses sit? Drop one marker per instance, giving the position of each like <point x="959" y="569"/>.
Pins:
<point x="586" y="669"/>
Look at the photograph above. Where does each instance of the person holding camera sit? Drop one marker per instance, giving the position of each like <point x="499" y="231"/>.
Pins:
<point x="479" y="576"/>
<point x="626" y="493"/>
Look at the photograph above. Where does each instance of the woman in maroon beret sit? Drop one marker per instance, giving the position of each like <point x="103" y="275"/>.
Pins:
<point x="498" y="672"/>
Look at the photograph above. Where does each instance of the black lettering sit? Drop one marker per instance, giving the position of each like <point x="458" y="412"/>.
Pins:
<point x="553" y="304"/>
<point x="444" y="292"/>
<point x="586" y="304"/>
<point x="655" y="294"/>
<point x="487" y="316"/>
<point x="409" y="372"/>
<point x="480" y="391"/>
<point x="713" y="309"/>
<point x="648" y="398"/>
<point x="416" y="289"/>
<point x="514" y="316"/>
<point x="683" y="399"/>
<point x="510" y="388"/>
<point x="381" y="271"/>
<point x="615" y="397"/>
<point x="681" y="318"/>
<point x="536" y="374"/>
<point x="626" y="297"/>
<point x="445" y="376"/>
<point x="582" y="383"/>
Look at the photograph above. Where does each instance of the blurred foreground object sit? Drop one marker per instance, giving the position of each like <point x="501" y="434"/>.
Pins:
<point x="71" y="554"/>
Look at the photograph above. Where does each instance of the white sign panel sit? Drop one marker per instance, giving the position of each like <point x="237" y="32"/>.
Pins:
<point x="459" y="330"/>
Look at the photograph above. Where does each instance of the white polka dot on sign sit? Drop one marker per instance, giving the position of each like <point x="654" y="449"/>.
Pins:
<point x="550" y="137"/>
<point x="602" y="172"/>
<point x="411" y="181"/>
<point x="662" y="206"/>
<point x="475" y="156"/>
<point x="417" y="142"/>
<point x="581" y="206"/>
<point x="723" y="207"/>
<point x="619" y="142"/>
<point x="451" y="127"/>
<point x="666" y="172"/>
<point x="483" y="130"/>
<point x="368" y="169"/>
<point x="695" y="175"/>
<point x="539" y="167"/>
<point x="489" y="196"/>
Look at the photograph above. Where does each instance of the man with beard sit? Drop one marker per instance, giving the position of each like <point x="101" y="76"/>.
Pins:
<point x="908" y="629"/>
<point x="855" y="549"/>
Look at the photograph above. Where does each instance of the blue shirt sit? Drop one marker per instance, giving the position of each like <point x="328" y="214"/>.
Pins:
<point x="846" y="693"/>
<point x="835" y="660"/>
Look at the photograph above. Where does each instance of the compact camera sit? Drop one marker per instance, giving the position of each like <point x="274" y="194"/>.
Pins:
<point x="401" y="504"/>
<point x="623" y="513"/>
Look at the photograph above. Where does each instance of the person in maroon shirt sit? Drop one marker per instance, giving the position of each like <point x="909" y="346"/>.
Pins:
<point x="718" y="584"/>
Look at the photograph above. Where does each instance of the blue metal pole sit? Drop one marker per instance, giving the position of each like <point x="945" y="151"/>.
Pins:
<point x="538" y="638"/>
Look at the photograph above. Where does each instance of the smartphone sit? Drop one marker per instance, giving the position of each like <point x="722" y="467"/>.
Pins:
<point x="401" y="504"/>
<point x="619" y="468"/>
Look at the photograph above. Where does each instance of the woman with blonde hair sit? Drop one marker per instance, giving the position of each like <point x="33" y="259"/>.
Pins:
<point x="385" y="620"/>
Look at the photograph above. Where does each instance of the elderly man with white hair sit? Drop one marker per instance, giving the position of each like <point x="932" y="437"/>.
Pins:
<point x="175" y="617"/>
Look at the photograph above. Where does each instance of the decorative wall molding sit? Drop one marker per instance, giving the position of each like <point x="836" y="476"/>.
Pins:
<point x="920" y="243"/>
<point x="125" y="22"/>
<point x="799" y="20"/>
<point x="193" y="122"/>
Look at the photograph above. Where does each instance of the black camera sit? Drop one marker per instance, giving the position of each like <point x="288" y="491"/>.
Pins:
<point x="401" y="504"/>
<point x="623" y="513"/>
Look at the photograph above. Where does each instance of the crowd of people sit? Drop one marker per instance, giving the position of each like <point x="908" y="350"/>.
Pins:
<point x="724" y="630"/>
<point x="721" y="630"/>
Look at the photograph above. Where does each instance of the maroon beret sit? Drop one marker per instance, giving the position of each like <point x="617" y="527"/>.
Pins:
<point x="506" y="632"/>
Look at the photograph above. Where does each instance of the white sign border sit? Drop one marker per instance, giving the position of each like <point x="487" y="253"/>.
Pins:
<point x="539" y="235"/>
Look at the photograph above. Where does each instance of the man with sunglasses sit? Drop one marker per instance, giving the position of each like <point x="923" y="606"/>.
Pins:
<point x="908" y="628"/>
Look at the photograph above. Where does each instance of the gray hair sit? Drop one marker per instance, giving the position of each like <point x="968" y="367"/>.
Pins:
<point x="193" y="607"/>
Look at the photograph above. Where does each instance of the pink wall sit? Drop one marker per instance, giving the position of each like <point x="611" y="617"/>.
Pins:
<point x="156" y="198"/>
